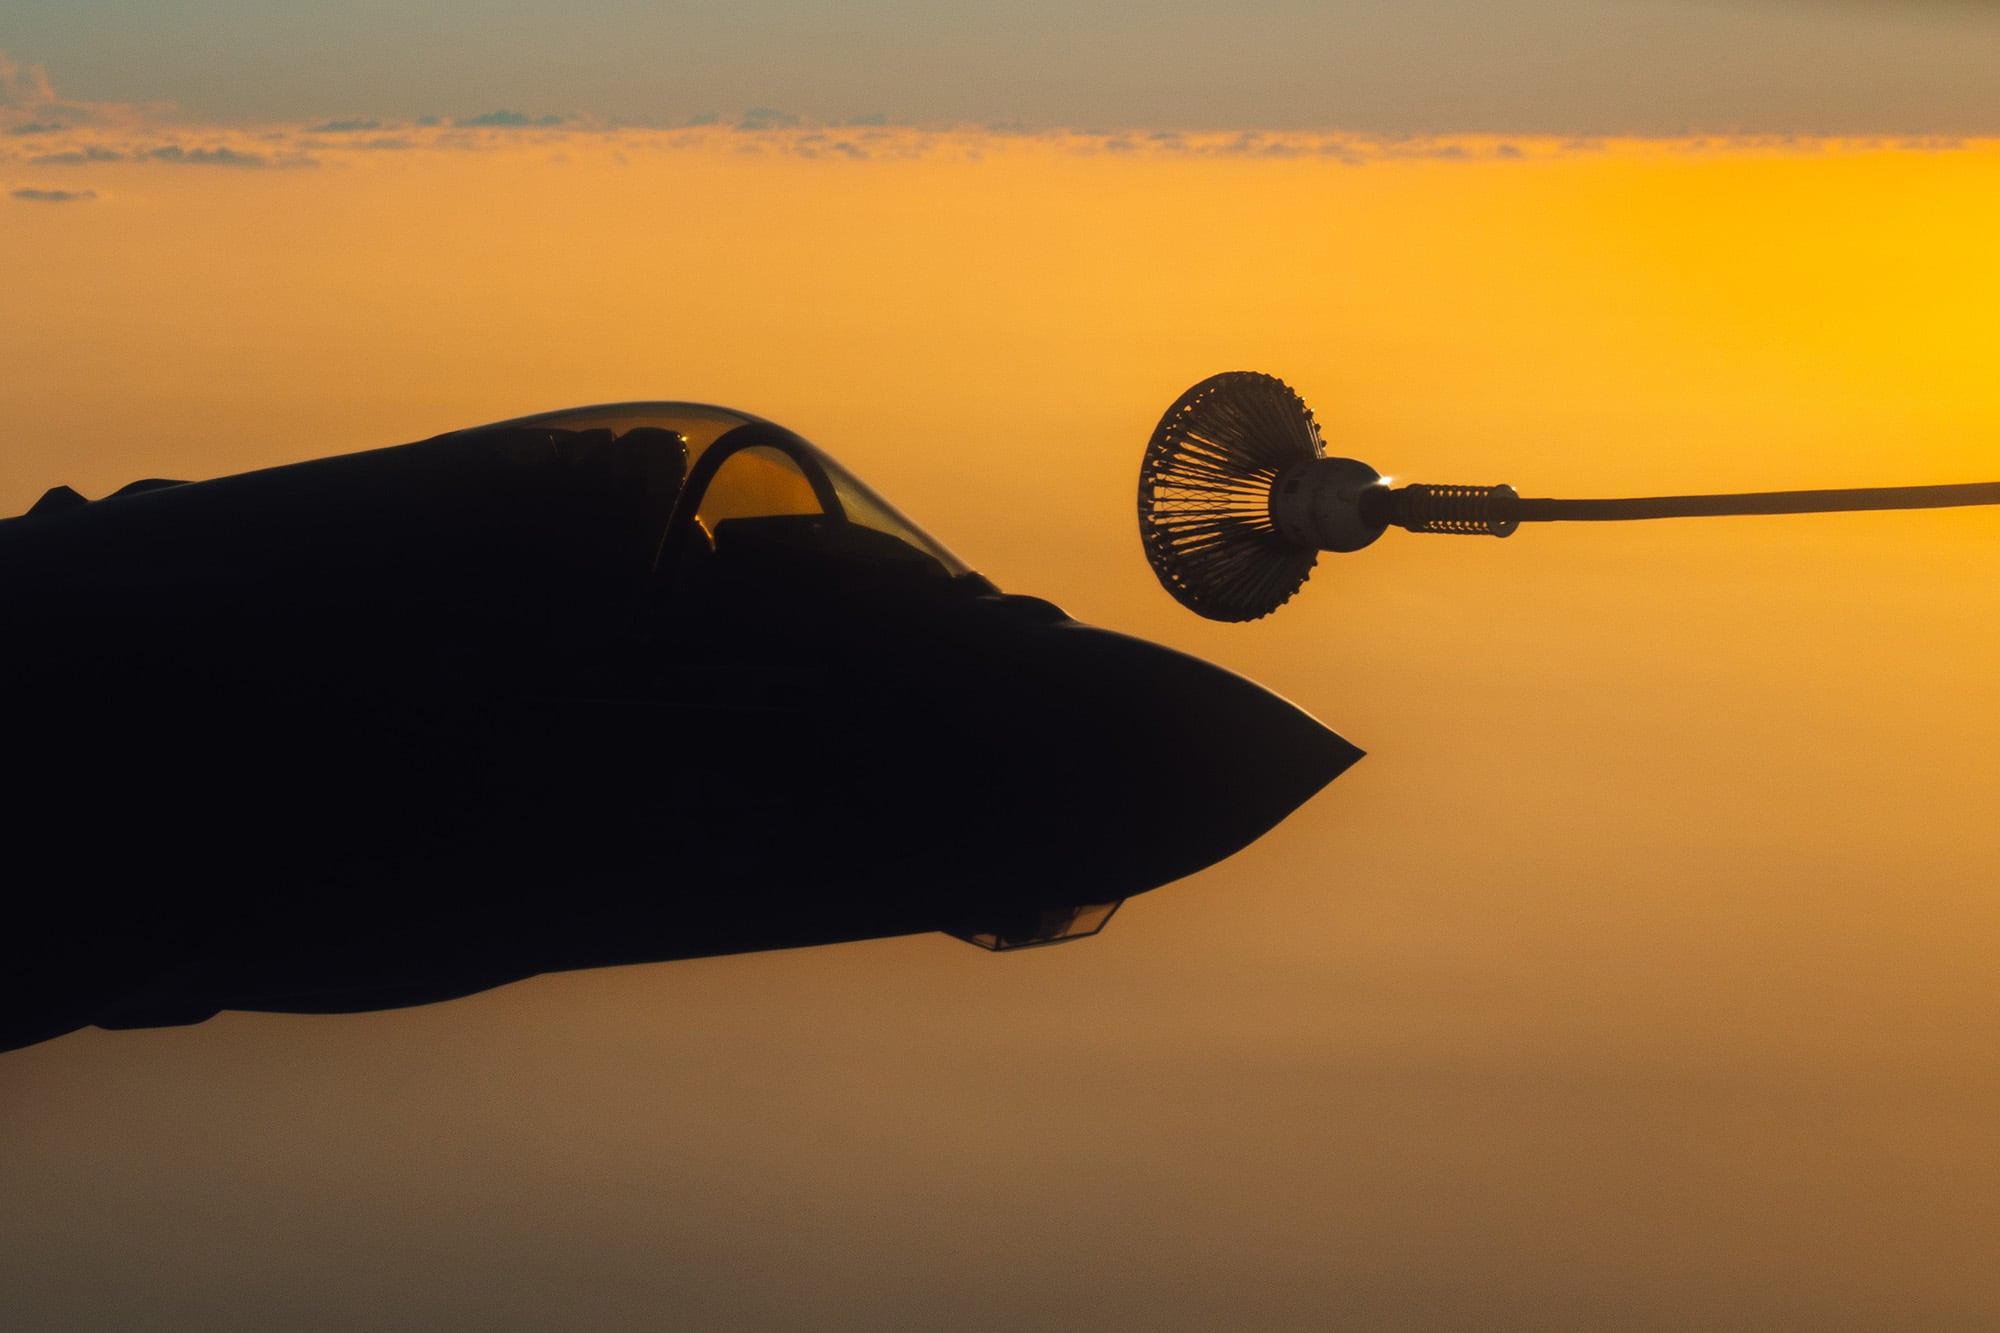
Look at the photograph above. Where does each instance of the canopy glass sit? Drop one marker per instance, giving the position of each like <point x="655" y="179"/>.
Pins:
<point x="761" y="470"/>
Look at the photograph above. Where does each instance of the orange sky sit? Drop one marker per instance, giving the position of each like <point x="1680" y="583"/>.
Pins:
<point x="1644" y="969"/>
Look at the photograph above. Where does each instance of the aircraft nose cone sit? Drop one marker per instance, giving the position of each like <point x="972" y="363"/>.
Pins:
<point x="1214" y="761"/>
<point x="1156" y="764"/>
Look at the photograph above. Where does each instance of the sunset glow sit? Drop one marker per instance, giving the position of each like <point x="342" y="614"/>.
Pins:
<point x="1643" y="974"/>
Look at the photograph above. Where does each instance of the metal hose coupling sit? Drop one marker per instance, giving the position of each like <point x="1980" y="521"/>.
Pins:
<point x="1341" y="504"/>
<point x="1471" y="511"/>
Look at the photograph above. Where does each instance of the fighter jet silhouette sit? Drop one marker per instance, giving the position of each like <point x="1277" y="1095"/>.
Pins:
<point x="617" y="684"/>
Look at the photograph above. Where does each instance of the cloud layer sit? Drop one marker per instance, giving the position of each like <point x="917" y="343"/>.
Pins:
<point x="1551" y="67"/>
<point x="41" y="130"/>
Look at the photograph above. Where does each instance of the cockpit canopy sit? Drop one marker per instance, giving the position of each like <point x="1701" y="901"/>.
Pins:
<point x="732" y="471"/>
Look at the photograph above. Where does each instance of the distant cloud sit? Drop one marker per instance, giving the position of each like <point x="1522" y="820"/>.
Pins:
<point x="345" y="127"/>
<point x="220" y="157"/>
<point x="280" y="150"/>
<point x="764" y="118"/>
<point x="818" y="145"/>
<point x="29" y="104"/>
<point x="208" y="157"/>
<point x="77" y="157"/>
<point x="505" y="120"/>
<point x="24" y="86"/>
<point x="35" y="196"/>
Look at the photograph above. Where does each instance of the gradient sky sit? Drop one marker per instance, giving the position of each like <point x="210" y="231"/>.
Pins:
<point x="1645" y="974"/>
<point x="1407" y="66"/>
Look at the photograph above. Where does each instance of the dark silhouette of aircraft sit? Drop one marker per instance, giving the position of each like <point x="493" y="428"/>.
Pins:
<point x="612" y="685"/>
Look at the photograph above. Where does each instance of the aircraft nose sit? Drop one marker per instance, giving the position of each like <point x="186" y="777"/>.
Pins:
<point x="1155" y="764"/>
